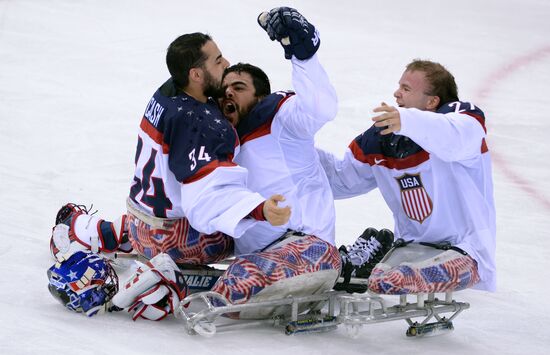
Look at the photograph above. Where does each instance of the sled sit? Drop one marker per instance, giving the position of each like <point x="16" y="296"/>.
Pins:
<point x="201" y="313"/>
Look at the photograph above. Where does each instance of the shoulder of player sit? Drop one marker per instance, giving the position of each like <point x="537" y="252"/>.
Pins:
<point x="395" y="150"/>
<point x="464" y="108"/>
<point x="371" y="134"/>
<point x="185" y="120"/>
<point x="263" y="113"/>
<point x="269" y="105"/>
<point x="197" y="125"/>
<point x="182" y="109"/>
<point x="461" y="107"/>
<point x="177" y="102"/>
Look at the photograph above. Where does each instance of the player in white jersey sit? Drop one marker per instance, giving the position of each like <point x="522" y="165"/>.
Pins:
<point x="429" y="159"/>
<point x="276" y="132"/>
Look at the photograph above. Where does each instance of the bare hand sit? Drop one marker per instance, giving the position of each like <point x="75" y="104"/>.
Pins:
<point x="390" y="119"/>
<point x="276" y="216"/>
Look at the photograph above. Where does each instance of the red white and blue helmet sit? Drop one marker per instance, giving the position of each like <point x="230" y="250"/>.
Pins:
<point x="83" y="283"/>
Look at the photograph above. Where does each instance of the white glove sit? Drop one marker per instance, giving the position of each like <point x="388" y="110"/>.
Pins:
<point x="154" y="291"/>
<point x="83" y="232"/>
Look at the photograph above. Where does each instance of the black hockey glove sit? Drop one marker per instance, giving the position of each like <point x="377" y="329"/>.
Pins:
<point x="297" y="36"/>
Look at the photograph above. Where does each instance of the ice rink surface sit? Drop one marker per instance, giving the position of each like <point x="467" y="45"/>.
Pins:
<point x="75" y="77"/>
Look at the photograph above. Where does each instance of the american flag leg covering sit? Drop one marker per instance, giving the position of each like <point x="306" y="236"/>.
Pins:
<point x="151" y="236"/>
<point x="299" y="265"/>
<point x="417" y="268"/>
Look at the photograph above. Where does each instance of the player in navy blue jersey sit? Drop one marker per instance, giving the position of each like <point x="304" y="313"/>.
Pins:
<point x="188" y="198"/>
<point x="429" y="158"/>
<point x="184" y="156"/>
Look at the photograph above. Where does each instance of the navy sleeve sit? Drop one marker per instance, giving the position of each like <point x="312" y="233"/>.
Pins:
<point x="199" y="140"/>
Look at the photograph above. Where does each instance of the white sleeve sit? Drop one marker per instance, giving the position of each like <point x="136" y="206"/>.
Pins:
<point x="220" y="201"/>
<point x="449" y="136"/>
<point x="315" y="102"/>
<point x="348" y="177"/>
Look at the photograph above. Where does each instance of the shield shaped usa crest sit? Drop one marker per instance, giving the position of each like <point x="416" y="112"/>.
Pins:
<point x="414" y="198"/>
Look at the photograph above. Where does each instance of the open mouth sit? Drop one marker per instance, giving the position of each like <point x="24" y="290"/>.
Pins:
<point x="229" y="107"/>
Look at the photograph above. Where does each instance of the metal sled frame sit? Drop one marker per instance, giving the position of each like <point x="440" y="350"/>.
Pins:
<point x="351" y="310"/>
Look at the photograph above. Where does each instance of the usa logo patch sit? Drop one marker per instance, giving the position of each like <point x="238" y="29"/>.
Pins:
<point x="414" y="198"/>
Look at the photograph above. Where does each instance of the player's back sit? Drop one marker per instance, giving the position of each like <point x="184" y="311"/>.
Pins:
<point x="180" y="140"/>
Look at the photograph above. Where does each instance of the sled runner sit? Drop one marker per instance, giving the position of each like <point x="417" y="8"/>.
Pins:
<point x="331" y="309"/>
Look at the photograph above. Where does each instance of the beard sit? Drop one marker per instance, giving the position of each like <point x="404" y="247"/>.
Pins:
<point x="212" y="87"/>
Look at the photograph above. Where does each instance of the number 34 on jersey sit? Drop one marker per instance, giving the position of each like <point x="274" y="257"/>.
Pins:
<point x="203" y="155"/>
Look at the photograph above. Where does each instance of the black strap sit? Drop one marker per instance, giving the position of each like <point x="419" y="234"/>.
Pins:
<point x="400" y="242"/>
<point x="287" y="234"/>
<point x="444" y="246"/>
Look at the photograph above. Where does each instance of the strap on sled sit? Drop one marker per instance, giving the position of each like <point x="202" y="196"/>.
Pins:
<point x="444" y="246"/>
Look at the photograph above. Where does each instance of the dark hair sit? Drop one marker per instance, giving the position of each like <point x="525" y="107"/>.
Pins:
<point x="259" y="78"/>
<point x="185" y="53"/>
<point x="442" y="82"/>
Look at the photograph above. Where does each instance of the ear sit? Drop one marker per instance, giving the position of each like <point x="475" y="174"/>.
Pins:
<point x="433" y="103"/>
<point x="195" y="75"/>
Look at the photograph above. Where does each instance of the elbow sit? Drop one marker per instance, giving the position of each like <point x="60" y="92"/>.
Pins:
<point x="332" y="104"/>
<point x="327" y="107"/>
<point x="331" y="111"/>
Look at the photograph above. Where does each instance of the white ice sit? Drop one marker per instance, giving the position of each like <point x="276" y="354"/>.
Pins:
<point x="75" y="77"/>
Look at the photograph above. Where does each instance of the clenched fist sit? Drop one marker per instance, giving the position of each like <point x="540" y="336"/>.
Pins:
<point x="275" y="215"/>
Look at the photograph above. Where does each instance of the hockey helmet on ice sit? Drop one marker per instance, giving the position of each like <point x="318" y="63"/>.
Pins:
<point x="83" y="283"/>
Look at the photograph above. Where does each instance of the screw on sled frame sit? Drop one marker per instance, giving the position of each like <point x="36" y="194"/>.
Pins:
<point x="351" y="310"/>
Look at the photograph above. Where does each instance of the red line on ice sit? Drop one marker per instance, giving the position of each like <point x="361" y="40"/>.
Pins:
<point x="489" y="83"/>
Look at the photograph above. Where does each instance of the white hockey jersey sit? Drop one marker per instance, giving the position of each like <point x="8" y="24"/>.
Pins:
<point x="277" y="148"/>
<point x="435" y="175"/>
<point x="184" y="165"/>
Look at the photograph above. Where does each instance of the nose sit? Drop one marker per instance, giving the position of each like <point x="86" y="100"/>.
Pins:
<point x="228" y="92"/>
<point x="225" y="63"/>
<point x="397" y="93"/>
